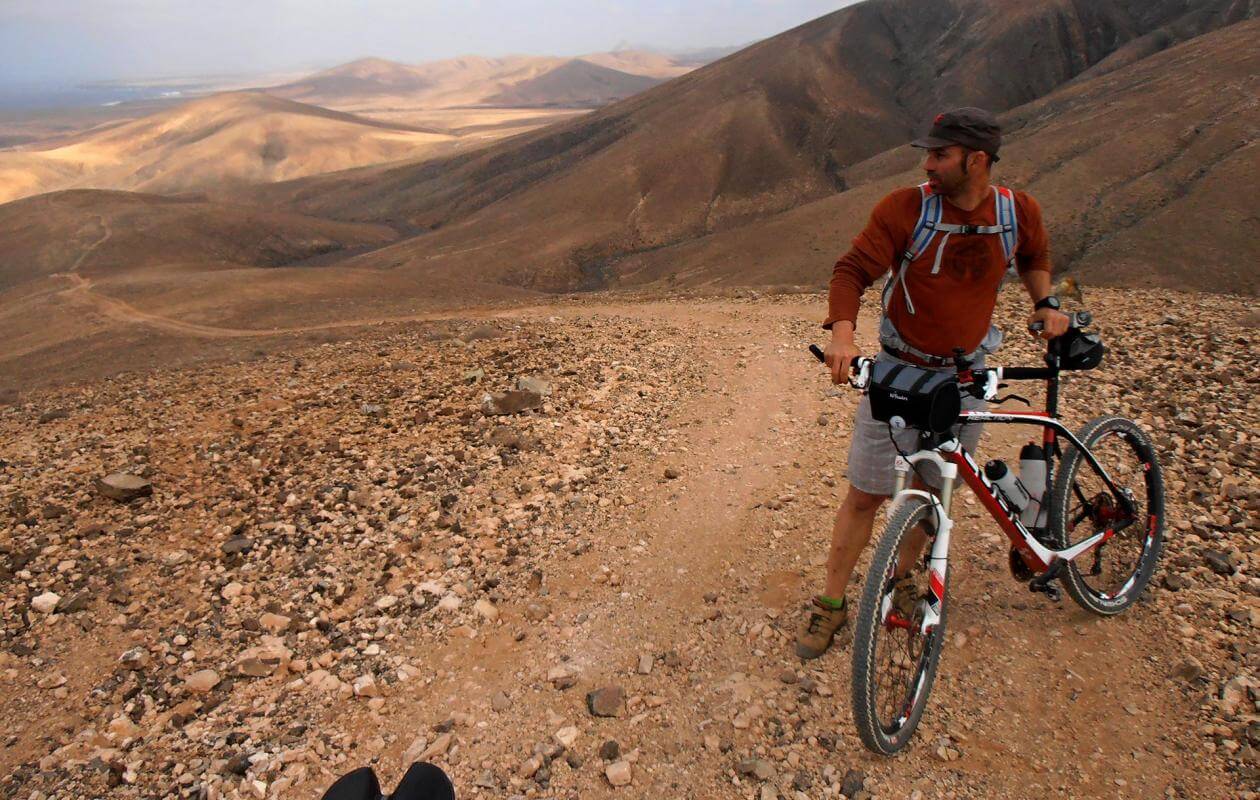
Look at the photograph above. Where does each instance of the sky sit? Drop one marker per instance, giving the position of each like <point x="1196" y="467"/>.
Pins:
<point x="70" y="41"/>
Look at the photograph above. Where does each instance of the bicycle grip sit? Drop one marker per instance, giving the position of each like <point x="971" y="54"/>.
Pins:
<point x="822" y="359"/>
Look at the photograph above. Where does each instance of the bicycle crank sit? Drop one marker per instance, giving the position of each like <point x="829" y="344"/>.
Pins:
<point x="1044" y="583"/>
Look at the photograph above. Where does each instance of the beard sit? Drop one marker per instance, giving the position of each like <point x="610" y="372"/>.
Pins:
<point x="943" y="184"/>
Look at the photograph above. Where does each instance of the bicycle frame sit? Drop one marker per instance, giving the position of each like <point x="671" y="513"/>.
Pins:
<point x="952" y="460"/>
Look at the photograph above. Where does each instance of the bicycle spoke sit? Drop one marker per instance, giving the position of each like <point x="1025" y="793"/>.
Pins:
<point x="1113" y="564"/>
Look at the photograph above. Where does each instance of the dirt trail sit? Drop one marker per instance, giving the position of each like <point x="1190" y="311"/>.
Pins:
<point x="1035" y="697"/>
<point x="700" y="574"/>
<point x="106" y="233"/>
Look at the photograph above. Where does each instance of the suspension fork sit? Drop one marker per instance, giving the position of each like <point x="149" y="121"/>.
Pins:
<point x="938" y="559"/>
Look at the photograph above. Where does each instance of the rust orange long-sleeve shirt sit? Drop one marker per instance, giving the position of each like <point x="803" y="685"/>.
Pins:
<point x="954" y="307"/>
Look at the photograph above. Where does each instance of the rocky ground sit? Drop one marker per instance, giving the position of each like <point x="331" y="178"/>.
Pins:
<point x="563" y="553"/>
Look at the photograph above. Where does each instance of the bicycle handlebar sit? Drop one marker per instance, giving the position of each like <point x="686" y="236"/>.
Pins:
<point x="1076" y="321"/>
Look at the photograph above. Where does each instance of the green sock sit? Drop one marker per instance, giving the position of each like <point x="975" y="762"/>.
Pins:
<point x="835" y="604"/>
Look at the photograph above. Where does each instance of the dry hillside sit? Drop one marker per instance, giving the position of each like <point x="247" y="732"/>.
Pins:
<point x="573" y="84"/>
<point x="211" y="144"/>
<point x="102" y="233"/>
<point x="1139" y="170"/>
<point x="757" y="133"/>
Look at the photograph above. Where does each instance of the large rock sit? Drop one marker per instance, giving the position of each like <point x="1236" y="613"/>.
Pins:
<point x="123" y="487"/>
<point x="532" y="383"/>
<point x="513" y="401"/>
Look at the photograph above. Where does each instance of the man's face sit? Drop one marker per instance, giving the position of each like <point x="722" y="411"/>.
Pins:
<point x="944" y="168"/>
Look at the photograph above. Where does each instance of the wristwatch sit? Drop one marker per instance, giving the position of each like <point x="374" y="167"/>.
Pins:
<point x="1049" y="301"/>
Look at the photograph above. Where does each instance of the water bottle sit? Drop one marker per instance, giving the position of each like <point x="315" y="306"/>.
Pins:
<point x="1008" y="484"/>
<point x="1032" y="473"/>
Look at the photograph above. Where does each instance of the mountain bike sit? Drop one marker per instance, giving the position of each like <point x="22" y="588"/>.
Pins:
<point x="1098" y="532"/>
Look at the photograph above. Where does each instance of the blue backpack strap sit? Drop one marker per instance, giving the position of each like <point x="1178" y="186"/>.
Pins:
<point x="1008" y="221"/>
<point x="920" y="238"/>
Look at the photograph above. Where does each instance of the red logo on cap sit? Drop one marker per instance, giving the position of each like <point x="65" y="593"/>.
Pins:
<point x="938" y="119"/>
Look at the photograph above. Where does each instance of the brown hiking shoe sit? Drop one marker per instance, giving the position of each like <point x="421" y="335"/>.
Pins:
<point x="905" y="598"/>
<point x="819" y="629"/>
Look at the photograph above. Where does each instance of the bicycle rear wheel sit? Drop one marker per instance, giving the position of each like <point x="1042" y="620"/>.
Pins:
<point x="1109" y="579"/>
<point x="898" y="638"/>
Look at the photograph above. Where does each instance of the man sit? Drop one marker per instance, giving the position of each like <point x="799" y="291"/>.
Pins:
<point x="948" y="245"/>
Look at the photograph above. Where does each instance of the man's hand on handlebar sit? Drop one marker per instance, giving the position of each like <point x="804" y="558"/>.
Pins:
<point x="841" y="351"/>
<point x="1048" y="323"/>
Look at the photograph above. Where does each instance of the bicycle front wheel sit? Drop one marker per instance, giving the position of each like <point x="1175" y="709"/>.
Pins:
<point x="1109" y="579"/>
<point x="899" y="634"/>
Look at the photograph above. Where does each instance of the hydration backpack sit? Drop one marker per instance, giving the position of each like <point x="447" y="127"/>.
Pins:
<point x="930" y="224"/>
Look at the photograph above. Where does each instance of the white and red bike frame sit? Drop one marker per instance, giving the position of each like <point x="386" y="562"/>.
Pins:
<point x="952" y="461"/>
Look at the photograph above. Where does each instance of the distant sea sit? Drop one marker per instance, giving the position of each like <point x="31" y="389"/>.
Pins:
<point x="20" y="97"/>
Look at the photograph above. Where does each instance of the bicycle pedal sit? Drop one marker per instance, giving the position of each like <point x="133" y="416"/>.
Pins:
<point x="1048" y="589"/>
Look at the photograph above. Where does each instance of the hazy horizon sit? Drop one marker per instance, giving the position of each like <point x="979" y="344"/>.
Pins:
<point x="71" y="43"/>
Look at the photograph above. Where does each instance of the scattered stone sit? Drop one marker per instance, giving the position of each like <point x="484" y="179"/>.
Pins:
<point x="758" y="768"/>
<point x="53" y="415"/>
<point x="237" y="545"/>
<point x="854" y="781"/>
<point x="610" y="750"/>
<point x="672" y="472"/>
<point x="618" y="773"/>
<point x="609" y="701"/>
<point x="1188" y="669"/>
<point x="480" y="333"/>
<point x="202" y="681"/>
<point x="645" y="664"/>
<point x="123" y="487"/>
<point x="513" y="401"/>
<point x="567" y="736"/>
<point x="46" y="603"/>
<point x="134" y="659"/>
<point x="486" y="609"/>
<point x="500" y="702"/>
<point x="439" y="747"/>
<point x="534" y="385"/>
<point x="1218" y="562"/>
<point x="79" y="601"/>
<point x="274" y="623"/>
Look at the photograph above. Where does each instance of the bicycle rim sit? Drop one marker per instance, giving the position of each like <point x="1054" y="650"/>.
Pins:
<point x="1109" y="578"/>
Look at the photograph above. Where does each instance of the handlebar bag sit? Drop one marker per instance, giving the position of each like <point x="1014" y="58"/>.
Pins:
<point x="1080" y="350"/>
<point x="926" y="399"/>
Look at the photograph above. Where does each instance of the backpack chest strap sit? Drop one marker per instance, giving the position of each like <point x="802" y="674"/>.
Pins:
<point x="970" y="229"/>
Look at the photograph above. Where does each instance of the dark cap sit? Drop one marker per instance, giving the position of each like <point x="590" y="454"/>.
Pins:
<point x="973" y="128"/>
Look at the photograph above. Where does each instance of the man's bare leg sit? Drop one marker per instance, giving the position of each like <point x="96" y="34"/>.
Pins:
<point x="855" y="521"/>
<point x="849" y="535"/>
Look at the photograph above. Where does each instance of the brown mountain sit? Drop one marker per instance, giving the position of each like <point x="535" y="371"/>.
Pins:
<point x="573" y="84"/>
<point x="758" y="133"/>
<point x="511" y="81"/>
<point x="1140" y="171"/>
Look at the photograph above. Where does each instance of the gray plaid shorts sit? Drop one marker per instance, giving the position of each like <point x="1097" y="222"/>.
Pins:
<point x="871" y="453"/>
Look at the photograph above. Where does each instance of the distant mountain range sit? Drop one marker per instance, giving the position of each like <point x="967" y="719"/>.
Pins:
<point x="1134" y="122"/>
